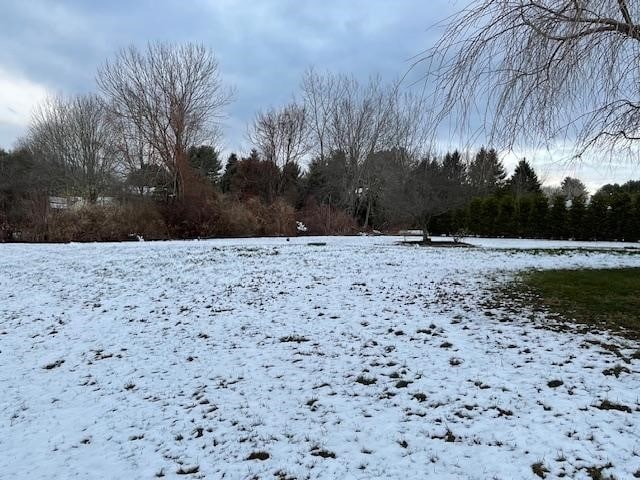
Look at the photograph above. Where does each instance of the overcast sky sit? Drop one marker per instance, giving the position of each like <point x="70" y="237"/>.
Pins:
<point x="263" y="47"/>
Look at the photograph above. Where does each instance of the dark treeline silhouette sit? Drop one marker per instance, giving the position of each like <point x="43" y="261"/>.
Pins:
<point x="254" y="196"/>
<point x="141" y="159"/>
<point x="519" y="208"/>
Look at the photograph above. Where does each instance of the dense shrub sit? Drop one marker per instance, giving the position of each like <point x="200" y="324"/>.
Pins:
<point x="254" y="218"/>
<point x="236" y="220"/>
<point x="143" y="219"/>
<point x="106" y="223"/>
<point x="190" y="220"/>
<point x="327" y="220"/>
<point x="276" y="219"/>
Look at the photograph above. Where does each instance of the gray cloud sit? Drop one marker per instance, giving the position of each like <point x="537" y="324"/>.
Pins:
<point x="263" y="46"/>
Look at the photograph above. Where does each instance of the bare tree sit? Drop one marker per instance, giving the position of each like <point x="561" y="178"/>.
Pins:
<point x="540" y="71"/>
<point x="281" y="135"/>
<point x="573" y="189"/>
<point x="134" y="154"/>
<point x="435" y="187"/>
<point x="408" y="126"/>
<point x="370" y="125"/>
<point x="73" y="140"/>
<point x="359" y="120"/>
<point x="319" y="94"/>
<point x="174" y="95"/>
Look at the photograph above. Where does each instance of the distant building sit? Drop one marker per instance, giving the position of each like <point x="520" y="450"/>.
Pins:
<point x="75" y="203"/>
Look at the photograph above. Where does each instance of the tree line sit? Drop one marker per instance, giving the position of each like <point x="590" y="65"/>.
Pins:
<point x="142" y="157"/>
<point x="522" y="208"/>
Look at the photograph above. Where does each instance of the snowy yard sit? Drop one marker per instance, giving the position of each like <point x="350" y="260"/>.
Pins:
<point x="263" y="358"/>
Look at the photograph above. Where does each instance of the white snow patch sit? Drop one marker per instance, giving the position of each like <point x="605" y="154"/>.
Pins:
<point x="185" y="354"/>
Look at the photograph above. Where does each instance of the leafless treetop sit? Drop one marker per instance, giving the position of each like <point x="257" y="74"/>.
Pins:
<point x="72" y="137"/>
<point x="174" y="95"/>
<point x="281" y="135"/>
<point x="539" y="71"/>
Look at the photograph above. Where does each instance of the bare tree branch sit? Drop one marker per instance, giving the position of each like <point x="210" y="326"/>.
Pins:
<point x="73" y="140"/>
<point x="541" y="71"/>
<point x="175" y="97"/>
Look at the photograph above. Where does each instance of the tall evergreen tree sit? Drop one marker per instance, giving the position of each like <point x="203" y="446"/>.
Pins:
<point x="460" y="220"/>
<point x="538" y="218"/>
<point x="620" y="216"/>
<point x="524" y="180"/>
<point x="505" y="222"/>
<point x="206" y="163"/>
<point x="597" y="224"/>
<point x="256" y="178"/>
<point x="230" y="170"/>
<point x="490" y="210"/>
<point x="475" y="216"/>
<point x="632" y="187"/>
<point x="635" y="220"/>
<point x="523" y="205"/>
<point x="454" y="170"/>
<point x="577" y="218"/>
<point x="573" y="189"/>
<point x="290" y="187"/>
<point x="558" y="217"/>
<point x="326" y="178"/>
<point x="486" y="173"/>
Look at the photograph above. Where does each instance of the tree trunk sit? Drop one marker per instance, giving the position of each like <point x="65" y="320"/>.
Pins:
<point x="425" y="232"/>
<point x="186" y="185"/>
<point x="366" y="218"/>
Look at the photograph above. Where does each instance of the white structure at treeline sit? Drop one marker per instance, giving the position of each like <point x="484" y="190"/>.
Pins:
<point x="76" y="203"/>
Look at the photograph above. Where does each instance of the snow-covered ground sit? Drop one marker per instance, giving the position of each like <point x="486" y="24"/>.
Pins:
<point x="358" y="359"/>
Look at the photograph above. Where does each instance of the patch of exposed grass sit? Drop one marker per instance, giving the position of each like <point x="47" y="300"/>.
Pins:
<point x="455" y="361"/>
<point x="403" y="383"/>
<point x="188" y="470"/>
<point x="539" y="469"/>
<point x="52" y="365"/>
<point x="595" y="473"/>
<point x="366" y="380"/>
<point x="555" y="383"/>
<point x="599" y="297"/>
<point x="321" y="452"/>
<point x="293" y="339"/>
<point x="260" y="455"/>
<point x="607" y="405"/>
<point x="282" y="475"/>
<point x="617" y="371"/>
<point x="420" y="397"/>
